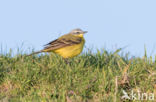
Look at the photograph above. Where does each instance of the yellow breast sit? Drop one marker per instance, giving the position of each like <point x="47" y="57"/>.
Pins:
<point x="70" y="51"/>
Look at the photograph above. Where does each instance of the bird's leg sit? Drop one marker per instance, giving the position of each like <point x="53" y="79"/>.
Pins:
<point x="66" y="60"/>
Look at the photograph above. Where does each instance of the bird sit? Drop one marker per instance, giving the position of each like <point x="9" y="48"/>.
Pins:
<point x="67" y="46"/>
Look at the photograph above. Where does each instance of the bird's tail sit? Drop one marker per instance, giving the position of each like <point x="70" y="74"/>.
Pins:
<point x="35" y="53"/>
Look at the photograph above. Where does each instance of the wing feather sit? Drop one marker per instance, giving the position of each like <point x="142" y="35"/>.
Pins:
<point x="66" y="40"/>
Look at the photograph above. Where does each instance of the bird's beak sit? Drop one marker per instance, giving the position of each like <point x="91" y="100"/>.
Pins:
<point x="85" y="32"/>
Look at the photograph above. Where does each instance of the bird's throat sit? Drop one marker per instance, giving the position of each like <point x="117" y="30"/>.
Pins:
<point x="79" y="35"/>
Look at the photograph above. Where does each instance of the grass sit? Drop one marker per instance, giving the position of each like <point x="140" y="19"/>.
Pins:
<point x="90" y="77"/>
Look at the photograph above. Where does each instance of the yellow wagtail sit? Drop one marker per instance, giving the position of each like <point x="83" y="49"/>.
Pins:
<point x="68" y="45"/>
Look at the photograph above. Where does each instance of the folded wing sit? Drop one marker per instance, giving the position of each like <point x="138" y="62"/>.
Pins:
<point x="66" y="40"/>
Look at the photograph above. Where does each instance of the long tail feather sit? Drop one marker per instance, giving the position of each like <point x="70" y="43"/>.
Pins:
<point x="35" y="53"/>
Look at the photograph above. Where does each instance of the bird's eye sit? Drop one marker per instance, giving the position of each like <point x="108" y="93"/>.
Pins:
<point x="77" y="32"/>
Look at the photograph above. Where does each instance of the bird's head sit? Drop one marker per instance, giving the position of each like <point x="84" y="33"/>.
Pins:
<point x="78" y="32"/>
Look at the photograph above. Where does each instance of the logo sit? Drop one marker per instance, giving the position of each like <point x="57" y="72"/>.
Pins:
<point x="137" y="95"/>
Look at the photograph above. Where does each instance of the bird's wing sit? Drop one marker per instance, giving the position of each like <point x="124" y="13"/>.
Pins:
<point x="66" y="40"/>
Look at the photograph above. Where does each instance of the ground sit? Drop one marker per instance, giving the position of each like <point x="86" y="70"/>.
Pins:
<point x="89" y="77"/>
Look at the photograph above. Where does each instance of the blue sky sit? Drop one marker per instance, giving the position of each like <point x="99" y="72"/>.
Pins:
<point x="110" y="24"/>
